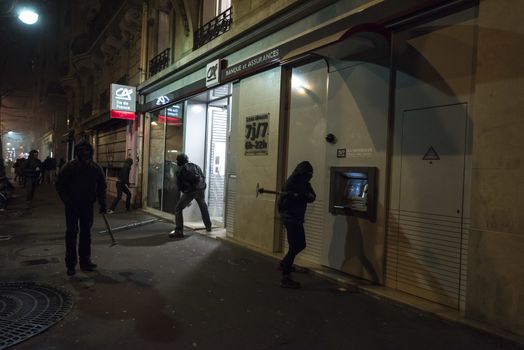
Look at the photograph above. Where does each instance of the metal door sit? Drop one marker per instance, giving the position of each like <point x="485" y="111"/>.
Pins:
<point x="427" y="236"/>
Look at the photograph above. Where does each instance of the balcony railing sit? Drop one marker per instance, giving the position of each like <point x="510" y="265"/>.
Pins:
<point x="159" y="62"/>
<point x="212" y="29"/>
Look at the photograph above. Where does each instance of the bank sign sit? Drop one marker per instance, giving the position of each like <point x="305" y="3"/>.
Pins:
<point x="123" y="102"/>
<point x="213" y="73"/>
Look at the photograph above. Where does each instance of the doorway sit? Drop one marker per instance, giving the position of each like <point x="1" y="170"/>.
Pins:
<point x="205" y="143"/>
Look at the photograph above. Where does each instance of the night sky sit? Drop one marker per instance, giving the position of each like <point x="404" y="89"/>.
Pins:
<point x="19" y="46"/>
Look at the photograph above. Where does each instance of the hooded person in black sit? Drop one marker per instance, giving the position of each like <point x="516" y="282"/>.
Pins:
<point x="296" y="194"/>
<point x="192" y="183"/>
<point x="80" y="183"/>
<point x="122" y="185"/>
<point x="31" y="169"/>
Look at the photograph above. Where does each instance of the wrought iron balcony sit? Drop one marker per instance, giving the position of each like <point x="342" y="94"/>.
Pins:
<point x="212" y="29"/>
<point x="159" y="62"/>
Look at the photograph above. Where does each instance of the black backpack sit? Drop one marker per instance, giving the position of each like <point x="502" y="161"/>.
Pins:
<point x="193" y="175"/>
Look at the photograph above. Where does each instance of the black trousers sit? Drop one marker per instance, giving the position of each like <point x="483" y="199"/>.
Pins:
<point x="78" y="215"/>
<point x="31" y="183"/>
<point x="120" y="187"/>
<point x="199" y="196"/>
<point x="296" y="239"/>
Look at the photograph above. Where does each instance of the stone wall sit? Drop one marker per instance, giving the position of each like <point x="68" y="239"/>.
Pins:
<point x="495" y="280"/>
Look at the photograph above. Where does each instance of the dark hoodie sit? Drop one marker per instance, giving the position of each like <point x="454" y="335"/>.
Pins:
<point x="298" y="192"/>
<point x="82" y="181"/>
<point x="123" y="175"/>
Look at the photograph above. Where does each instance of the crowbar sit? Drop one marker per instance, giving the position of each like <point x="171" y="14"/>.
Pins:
<point x="113" y="241"/>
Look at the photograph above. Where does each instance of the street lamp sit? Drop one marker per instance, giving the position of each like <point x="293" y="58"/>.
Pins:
<point x="28" y="16"/>
<point x="25" y="14"/>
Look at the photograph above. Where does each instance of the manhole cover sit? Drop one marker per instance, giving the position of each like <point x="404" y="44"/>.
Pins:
<point x="27" y="309"/>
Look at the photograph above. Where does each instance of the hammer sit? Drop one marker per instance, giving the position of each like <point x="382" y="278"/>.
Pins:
<point x="263" y="190"/>
<point x="113" y="242"/>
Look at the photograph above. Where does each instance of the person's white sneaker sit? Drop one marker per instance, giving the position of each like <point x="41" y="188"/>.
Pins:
<point x="110" y="211"/>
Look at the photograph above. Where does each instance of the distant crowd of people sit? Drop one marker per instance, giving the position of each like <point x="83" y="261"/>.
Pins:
<point x="29" y="173"/>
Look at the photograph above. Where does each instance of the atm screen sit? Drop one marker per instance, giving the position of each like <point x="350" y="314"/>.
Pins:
<point x="353" y="191"/>
<point x="356" y="189"/>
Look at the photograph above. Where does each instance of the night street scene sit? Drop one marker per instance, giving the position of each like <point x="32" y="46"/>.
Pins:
<point x="261" y="174"/>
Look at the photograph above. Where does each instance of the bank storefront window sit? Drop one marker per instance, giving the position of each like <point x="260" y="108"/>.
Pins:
<point x="165" y="144"/>
<point x="174" y="126"/>
<point x="156" y="160"/>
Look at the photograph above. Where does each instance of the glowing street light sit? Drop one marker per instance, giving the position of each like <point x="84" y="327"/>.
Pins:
<point x="28" y="16"/>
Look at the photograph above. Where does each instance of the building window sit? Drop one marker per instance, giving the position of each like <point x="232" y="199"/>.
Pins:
<point x="213" y="26"/>
<point x="162" y="59"/>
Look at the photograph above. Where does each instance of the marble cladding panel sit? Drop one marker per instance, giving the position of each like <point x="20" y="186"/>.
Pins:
<point x="495" y="280"/>
<point x="495" y="201"/>
<point x="495" y="291"/>
<point x="254" y="217"/>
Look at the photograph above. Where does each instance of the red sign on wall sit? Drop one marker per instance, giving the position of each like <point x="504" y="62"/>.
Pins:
<point x="169" y="120"/>
<point x="122" y="115"/>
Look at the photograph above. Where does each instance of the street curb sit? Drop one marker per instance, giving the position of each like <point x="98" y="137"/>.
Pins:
<point x="129" y="226"/>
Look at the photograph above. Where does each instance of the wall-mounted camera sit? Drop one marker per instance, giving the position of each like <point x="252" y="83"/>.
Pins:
<point x="330" y="138"/>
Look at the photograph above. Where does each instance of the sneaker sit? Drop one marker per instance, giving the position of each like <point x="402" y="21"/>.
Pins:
<point x="176" y="234"/>
<point x="287" y="282"/>
<point x="89" y="266"/>
<point x="110" y="211"/>
<point x="71" y="271"/>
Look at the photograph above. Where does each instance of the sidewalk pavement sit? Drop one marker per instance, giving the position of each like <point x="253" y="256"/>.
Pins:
<point x="152" y="292"/>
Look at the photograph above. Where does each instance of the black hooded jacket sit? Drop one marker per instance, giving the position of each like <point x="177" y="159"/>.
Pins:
<point x="82" y="182"/>
<point x="297" y="193"/>
<point x="123" y="175"/>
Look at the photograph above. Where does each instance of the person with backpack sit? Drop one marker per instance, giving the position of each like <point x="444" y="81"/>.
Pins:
<point x="296" y="194"/>
<point x="122" y="185"/>
<point x="192" y="183"/>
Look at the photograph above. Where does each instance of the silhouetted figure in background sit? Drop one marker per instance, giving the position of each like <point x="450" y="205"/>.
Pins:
<point x="6" y="192"/>
<point x="19" y="175"/>
<point x="79" y="184"/>
<point x="49" y="168"/>
<point x="192" y="183"/>
<point x="292" y="203"/>
<point x="31" y="170"/>
<point x="122" y="185"/>
<point x="61" y="163"/>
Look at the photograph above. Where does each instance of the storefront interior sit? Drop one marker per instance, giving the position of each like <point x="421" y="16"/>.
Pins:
<point x="198" y="127"/>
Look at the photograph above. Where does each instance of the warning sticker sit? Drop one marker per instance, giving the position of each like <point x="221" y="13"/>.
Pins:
<point x="431" y="154"/>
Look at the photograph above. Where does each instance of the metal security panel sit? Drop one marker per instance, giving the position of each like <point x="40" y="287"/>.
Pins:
<point x="427" y="233"/>
<point x="432" y="168"/>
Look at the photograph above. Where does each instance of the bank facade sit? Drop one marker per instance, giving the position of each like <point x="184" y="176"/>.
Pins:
<point x="405" y="115"/>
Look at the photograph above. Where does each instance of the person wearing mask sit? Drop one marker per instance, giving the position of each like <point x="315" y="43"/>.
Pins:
<point x="31" y="170"/>
<point x="296" y="194"/>
<point x="192" y="183"/>
<point x="122" y="185"/>
<point x="79" y="184"/>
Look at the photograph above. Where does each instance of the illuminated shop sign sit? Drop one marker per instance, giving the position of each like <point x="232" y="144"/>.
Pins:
<point x="123" y="102"/>
<point x="162" y="100"/>
<point x="263" y="59"/>
<point x="213" y="73"/>
<point x="171" y="116"/>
